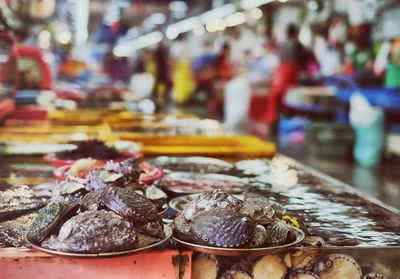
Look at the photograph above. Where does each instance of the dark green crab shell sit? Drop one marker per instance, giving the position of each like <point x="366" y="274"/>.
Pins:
<point x="278" y="233"/>
<point x="224" y="228"/>
<point x="130" y="205"/>
<point x="48" y="219"/>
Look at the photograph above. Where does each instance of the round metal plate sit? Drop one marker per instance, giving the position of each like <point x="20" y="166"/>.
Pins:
<point x="167" y="232"/>
<point x="234" y="252"/>
<point x="188" y="182"/>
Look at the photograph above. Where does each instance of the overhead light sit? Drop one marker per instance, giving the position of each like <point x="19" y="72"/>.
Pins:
<point x="178" y="6"/>
<point x="44" y="39"/>
<point x="249" y="4"/>
<point x="64" y="37"/>
<point x="219" y="12"/>
<point x="199" y="30"/>
<point x="157" y="18"/>
<point x="130" y="47"/>
<point x="235" y="19"/>
<point x="172" y="33"/>
<point x="217" y="24"/>
<point x="185" y="25"/>
<point x="282" y="1"/>
<point x="256" y="13"/>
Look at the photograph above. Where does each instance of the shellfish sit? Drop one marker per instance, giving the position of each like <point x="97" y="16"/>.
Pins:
<point x="130" y="205"/>
<point x="223" y="228"/>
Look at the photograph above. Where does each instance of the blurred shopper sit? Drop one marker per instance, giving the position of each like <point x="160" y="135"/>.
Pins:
<point x="204" y="71"/>
<point x="142" y="80"/>
<point x="223" y="64"/>
<point x="392" y="78"/>
<point x="162" y="76"/>
<point x="224" y="71"/>
<point x="291" y="61"/>
<point x="183" y="82"/>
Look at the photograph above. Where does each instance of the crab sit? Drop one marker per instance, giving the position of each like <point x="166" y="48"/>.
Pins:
<point x="94" y="232"/>
<point x="48" y="220"/>
<point x="261" y="210"/>
<point x="224" y="228"/>
<point x="129" y="169"/>
<point x="130" y="205"/>
<point x="279" y="233"/>
<point x="68" y="191"/>
<point x="211" y="201"/>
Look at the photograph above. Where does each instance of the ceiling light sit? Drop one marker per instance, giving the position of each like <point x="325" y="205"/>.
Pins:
<point x="249" y="4"/>
<point x="215" y="25"/>
<point x="235" y="19"/>
<point x="199" y="30"/>
<point x="172" y="33"/>
<point x="64" y="37"/>
<point x="178" y="6"/>
<point x="130" y="47"/>
<point x="256" y="13"/>
<point x="157" y="18"/>
<point x="219" y="12"/>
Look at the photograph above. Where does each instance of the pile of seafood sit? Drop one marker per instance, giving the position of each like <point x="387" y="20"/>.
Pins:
<point x="89" y="149"/>
<point x="301" y="264"/>
<point x="219" y="219"/>
<point x="111" y="212"/>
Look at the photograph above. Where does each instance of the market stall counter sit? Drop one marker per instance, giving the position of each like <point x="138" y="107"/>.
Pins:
<point x="340" y="233"/>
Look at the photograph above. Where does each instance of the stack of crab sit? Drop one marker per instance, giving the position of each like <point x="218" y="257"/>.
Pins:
<point x="112" y="213"/>
<point x="221" y="220"/>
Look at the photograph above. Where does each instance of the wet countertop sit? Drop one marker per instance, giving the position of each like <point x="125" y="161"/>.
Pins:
<point x="331" y="209"/>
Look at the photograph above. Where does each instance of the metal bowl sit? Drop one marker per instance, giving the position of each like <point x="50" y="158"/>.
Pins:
<point x="167" y="232"/>
<point x="235" y="252"/>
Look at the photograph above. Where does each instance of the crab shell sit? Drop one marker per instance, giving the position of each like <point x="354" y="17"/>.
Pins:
<point x="338" y="266"/>
<point x="91" y="201"/>
<point x="211" y="201"/>
<point x="130" y="205"/>
<point x="223" y="228"/>
<point x="97" y="231"/>
<point x="129" y="169"/>
<point x="48" y="220"/>
<point x="182" y="228"/>
<point x="100" y="179"/>
<point x="154" y="228"/>
<point x="260" y="210"/>
<point x="260" y="236"/>
<point x="68" y="191"/>
<point x="279" y="232"/>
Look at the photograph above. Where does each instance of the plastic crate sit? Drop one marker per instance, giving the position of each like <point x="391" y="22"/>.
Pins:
<point x="330" y="139"/>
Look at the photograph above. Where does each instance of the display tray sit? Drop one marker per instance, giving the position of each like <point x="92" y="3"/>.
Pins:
<point x="340" y="214"/>
<point x="203" y="145"/>
<point x="234" y="252"/>
<point x="187" y="183"/>
<point x="167" y="232"/>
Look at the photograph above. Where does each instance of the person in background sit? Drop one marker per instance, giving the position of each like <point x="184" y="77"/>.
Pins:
<point x="223" y="65"/>
<point x="392" y="78"/>
<point x="162" y="76"/>
<point x="183" y="82"/>
<point x="224" y="71"/>
<point x="204" y="71"/>
<point x="286" y="73"/>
